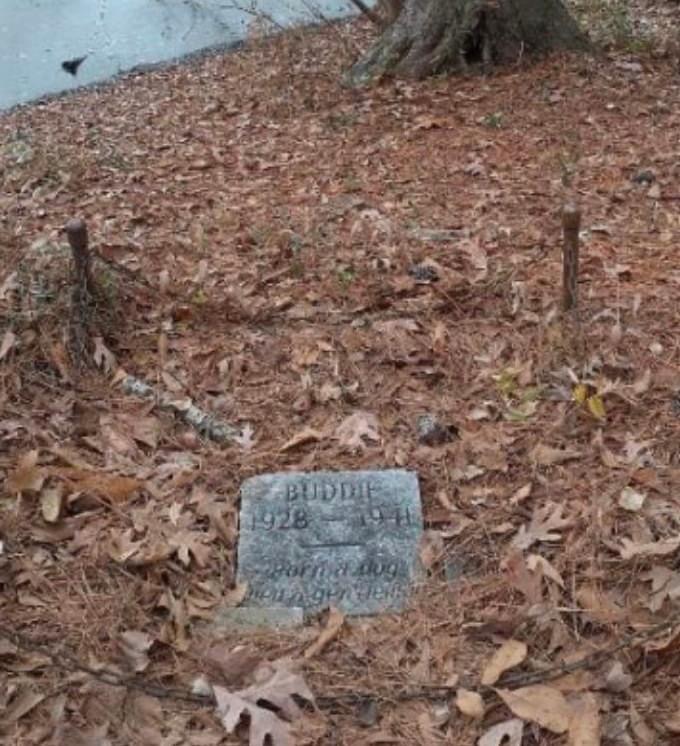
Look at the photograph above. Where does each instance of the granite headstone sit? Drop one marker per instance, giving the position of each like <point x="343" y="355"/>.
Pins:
<point x="347" y="539"/>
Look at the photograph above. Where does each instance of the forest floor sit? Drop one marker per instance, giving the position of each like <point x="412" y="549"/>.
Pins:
<point x="321" y="267"/>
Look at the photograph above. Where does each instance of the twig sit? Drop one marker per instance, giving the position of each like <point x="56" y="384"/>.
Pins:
<point x="67" y="662"/>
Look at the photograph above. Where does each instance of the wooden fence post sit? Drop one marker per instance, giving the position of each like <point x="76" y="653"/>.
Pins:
<point x="571" y="225"/>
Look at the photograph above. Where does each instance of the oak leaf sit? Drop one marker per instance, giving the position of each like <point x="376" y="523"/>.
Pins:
<point x="507" y="733"/>
<point x="545" y="524"/>
<point x="352" y="431"/>
<point x="541" y="704"/>
<point x="510" y="654"/>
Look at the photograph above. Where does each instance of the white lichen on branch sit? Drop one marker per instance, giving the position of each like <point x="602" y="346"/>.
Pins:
<point x="203" y="422"/>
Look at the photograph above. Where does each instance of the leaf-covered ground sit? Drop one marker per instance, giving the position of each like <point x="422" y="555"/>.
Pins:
<point x="320" y="268"/>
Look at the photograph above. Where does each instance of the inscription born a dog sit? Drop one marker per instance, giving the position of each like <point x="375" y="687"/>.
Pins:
<point x="318" y="539"/>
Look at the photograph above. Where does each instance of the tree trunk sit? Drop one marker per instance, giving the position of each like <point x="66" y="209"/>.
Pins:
<point x="436" y="36"/>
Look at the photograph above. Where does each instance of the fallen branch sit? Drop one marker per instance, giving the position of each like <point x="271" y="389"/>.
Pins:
<point x="370" y="14"/>
<point x="69" y="663"/>
<point x="203" y="422"/>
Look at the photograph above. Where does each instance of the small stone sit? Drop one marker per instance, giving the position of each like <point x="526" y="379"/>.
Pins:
<point x="423" y="273"/>
<point x="432" y="432"/>
<point x="644" y="176"/>
<point x="675" y="404"/>
<point x="368" y="713"/>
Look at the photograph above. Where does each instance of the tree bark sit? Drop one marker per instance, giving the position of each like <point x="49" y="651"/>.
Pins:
<point x="437" y="36"/>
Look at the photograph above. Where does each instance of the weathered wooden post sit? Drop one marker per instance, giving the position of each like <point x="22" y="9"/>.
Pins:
<point x="83" y="286"/>
<point x="571" y="225"/>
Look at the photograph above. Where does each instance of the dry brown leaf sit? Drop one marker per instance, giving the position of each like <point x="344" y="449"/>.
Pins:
<point x="103" y="357"/>
<point x="264" y="724"/>
<point x="235" y="596"/>
<point x="27" y="476"/>
<point x="135" y="645"/>
<point x="520" y="577"/>
<point x="598" y="606"/>
<point x="20" y="705"/>
<point x="541" y="704"/>
<point x="630" y="548"/>
<point x="510" y="654"/>
<point x="665" y="584"/>
<point x="470" y="703"/>
<point x="537" y="563"/>
<point x="545" y="523"/>
<point x="308" y="435"/>
<point x="352" y="431"/>
<point x="278" y="691"/>
<point x="330" y="631"/>
<point x="431" y="548"/>
<point x="8" y="341"/>
<point x="234" y="664"/>
<point x="507" y="733"/>
<point x="51" y="502"/>
<point x="584" y="725"/>
<point x="543" y="455"/>
<point x="631" y="500"/>
<point x="644" y="735"/>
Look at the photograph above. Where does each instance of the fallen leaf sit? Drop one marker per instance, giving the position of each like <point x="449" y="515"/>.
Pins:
<point x="234" y="664"/>
<point x="584" y="724"/>
<point x="510" y="654"/>
<point x="264" y="724"/>
<point x="27" y="476"/>
<point x="545" y="523"/>
<point x="537" y="563"/>
<point x="330" y="631"/>
<point x="51" y="502"/>
<point x="644" y="735"/>
<point x="103" y="357"/>
<point x="598" y="606"/>
<point x="135" y="645"/>
<point x="20" y="705"/>
<point x="470" y="703"/>
<point x="665" y="584"/>
<point x="541" y="704"/>
<point x="520" y="577"/>
<point x="630" y="548"/>
<point x="278" y="692"/>
<point x="352" y="431"/>
<point x="431" y="548"/>
<point x="543" y="455"/>
<point x="308" y="435"/>
<point x="631" y="500"/>
<point x="517" y="497"/>
<point x="8" y="341"/>
<point x="596" y="407"/>
<point x="507" y="733"/>
<point x="641" y="385"/>
<point x="235" y="596"/>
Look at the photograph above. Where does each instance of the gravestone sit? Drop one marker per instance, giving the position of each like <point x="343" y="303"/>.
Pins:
<point x="347" y="539"/>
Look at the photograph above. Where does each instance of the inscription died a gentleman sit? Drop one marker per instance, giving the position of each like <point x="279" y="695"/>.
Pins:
<point x="318" y="539"/>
